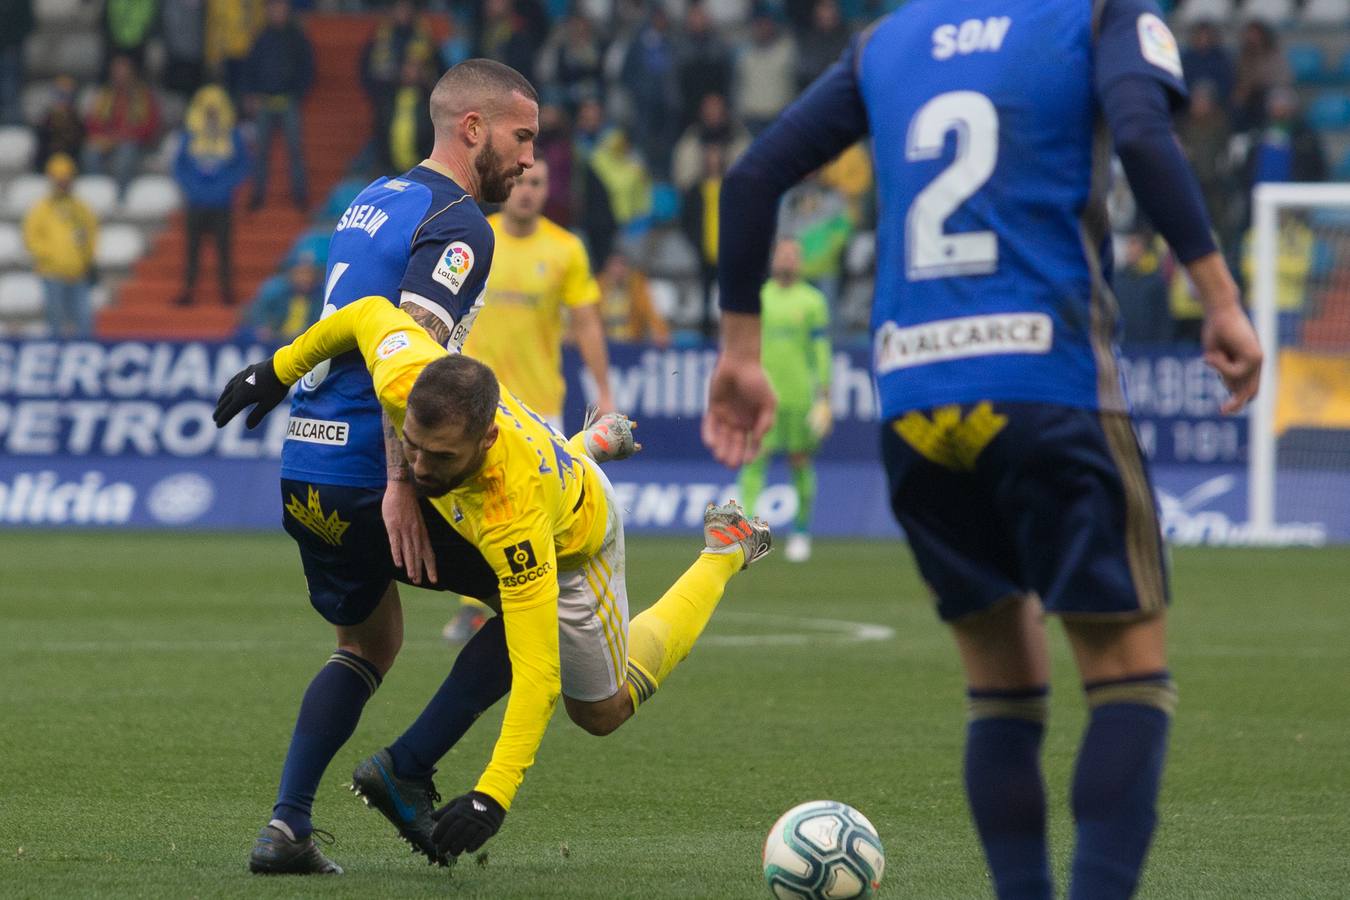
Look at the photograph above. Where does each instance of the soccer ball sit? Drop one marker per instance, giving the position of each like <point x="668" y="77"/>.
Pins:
<point x="823" y="850"/>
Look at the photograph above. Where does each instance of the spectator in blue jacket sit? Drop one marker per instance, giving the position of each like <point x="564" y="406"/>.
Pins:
<point x="280" y="70"/>
<point x="286" y="305"/>
<point x="212" y="162"/>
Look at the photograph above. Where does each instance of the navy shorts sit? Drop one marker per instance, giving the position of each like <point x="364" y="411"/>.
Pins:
<point x="1004" y="499"/>
<point x="345" y="550"/>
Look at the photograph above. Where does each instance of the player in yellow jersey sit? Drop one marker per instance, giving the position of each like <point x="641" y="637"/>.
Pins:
<point x="542" y="270"/>
<point x="544" y="517"/>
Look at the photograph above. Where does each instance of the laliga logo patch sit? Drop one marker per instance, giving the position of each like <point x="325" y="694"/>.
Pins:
<point x="455" y="265"/>
<point x="1157" y="44"/>
<point x="392" y="344"/>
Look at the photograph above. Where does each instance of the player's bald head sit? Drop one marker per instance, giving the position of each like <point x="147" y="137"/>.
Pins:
<point x="476" y="85"/>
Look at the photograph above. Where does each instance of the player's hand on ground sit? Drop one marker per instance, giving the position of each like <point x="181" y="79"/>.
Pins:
<point x="465" y="823"/>
<point x="1231" y="347"/>
<point x="409" y="542"/>
<point x="741" y="404"/>
<point x="256" y="386"/>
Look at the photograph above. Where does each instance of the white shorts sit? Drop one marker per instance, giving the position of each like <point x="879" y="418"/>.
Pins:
<point x="593" y="613"/>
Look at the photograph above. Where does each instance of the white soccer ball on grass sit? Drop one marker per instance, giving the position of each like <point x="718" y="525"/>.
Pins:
<point x="823" y="850"/>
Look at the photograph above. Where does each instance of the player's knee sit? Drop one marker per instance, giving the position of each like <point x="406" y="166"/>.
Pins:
<point x="598" y="719"/>
<point x="593" y="721"/>
<point x="379" y="651"/>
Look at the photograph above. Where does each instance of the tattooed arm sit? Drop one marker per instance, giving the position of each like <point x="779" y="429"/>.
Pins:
<point x="408" y="539"/>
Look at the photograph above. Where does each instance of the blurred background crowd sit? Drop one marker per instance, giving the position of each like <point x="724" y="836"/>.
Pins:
<point x="137" y="138"/>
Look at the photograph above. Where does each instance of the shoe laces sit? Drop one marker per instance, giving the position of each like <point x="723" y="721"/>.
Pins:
<point x="325" y="837"/>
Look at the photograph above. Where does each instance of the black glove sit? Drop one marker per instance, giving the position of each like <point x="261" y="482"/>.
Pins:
<point x="465" y="823"/>
<point x="256" y="386"/>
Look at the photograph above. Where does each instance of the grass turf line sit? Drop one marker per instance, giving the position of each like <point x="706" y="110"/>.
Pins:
<point x="154" y="679"/>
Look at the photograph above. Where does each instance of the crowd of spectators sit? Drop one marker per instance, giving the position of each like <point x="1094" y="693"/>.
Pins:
<point x="1244" y="126"/>
<point x="644" y="108"/>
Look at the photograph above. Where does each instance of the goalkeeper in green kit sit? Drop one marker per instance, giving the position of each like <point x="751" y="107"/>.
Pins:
<point x="797" y="358"/>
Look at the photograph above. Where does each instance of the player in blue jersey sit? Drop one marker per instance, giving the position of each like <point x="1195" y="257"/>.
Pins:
<point x="421" y="241"/>
<point x="1012" y="465"/>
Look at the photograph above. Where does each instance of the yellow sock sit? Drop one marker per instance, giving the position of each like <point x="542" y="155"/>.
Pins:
<point x="660" y="637"/>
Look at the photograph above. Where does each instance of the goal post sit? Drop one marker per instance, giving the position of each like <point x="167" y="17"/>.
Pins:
<point x="1299" y="291"/>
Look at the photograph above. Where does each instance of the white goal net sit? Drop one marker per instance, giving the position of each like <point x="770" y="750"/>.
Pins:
<point x="1299" y="463"/>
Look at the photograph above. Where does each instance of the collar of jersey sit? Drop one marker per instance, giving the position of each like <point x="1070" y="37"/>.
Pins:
<point x="440" y="169"/>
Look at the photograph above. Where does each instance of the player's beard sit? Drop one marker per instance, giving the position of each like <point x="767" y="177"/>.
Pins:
<point x="442" y="486"/>
<point x="495" y="181"/>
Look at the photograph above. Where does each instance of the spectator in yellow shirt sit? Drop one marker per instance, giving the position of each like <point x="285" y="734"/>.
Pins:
<point x="542" y="271"/>
<point x="60" y="231"/>
<point x="627" y="306"/>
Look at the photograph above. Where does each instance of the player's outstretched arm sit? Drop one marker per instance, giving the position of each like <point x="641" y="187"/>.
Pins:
<point x="257" y="386"/>
<point x="741" y="402"/>
<point x="827" y="119"/>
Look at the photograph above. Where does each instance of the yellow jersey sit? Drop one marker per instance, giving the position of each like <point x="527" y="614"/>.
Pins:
<point x="532" y="509"/>
<point x="519" y="330"/>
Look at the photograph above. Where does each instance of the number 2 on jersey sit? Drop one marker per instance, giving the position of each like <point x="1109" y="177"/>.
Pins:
<point x="929" y="251"/>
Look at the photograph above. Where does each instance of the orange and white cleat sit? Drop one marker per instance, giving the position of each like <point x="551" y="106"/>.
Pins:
<point x="727" y="527"/>
<point x="609" y="437"/>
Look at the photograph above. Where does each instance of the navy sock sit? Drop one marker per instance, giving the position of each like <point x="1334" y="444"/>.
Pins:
<point x="1116" y="781"/>
<point x="328" y="716"/>
<point x="479" y="678"/>
<point x="1006" y="790"/>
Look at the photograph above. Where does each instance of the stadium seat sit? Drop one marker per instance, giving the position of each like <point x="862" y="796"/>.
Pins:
<point x="1205" y="11"/>
<point x="1325" y="12"/>
<point x="118" y="247"/>
<point x="1308" y="63"/>
<point x="150" y="199"/>
<point x="17" y="147"/>
<point x="20" y="295"/>
<point x="1329" y="111"/>
<point x="12" y="251"/>
<point x="22" y="193"/>
<point x="1273" y="12"/>
<point x="50" y="12"/>
<point x="160" y="161"/>
<point x="35" y="98"/>
<point x="78" y="54"/>
<point x="37" y="55"/>
<point x="668" y="255"/>
<point x="99" y="192"/>
<point x="1342" y="170"/>
<point x="861" y="253"/>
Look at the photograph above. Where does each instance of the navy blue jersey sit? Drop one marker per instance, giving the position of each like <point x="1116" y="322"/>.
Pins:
<point x="992" y="165"/>
<point x="417" y="237"/>
<point x="991" y="153"/>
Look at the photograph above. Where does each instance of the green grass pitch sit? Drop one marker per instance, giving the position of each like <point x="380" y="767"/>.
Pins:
<point x="152" y="680"/>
